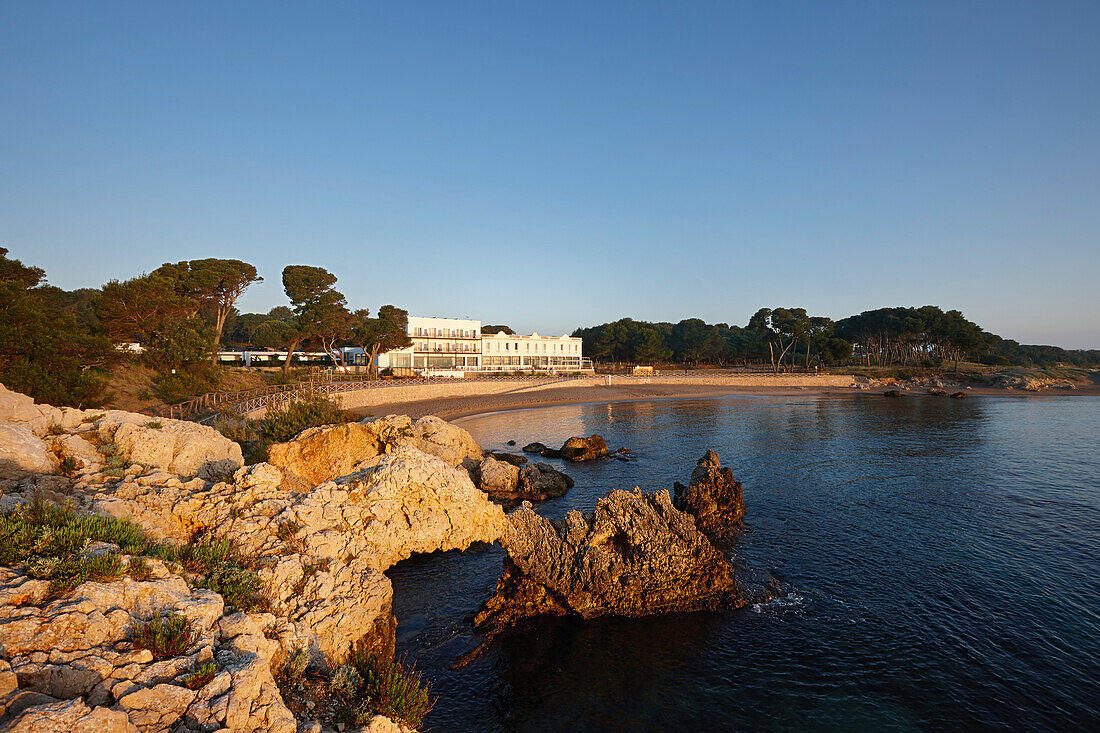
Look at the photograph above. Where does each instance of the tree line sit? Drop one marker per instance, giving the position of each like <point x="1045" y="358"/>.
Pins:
<point x="789" y="338"/>
<point x="58" y="346"/>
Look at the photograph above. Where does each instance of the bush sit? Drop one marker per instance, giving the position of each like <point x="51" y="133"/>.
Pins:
<point x="368" y="686"/>
<point x="283" y="423"/>
<point x="165" y="636"/>
<point x="224" y="573"/>
<point x="187" y="382"/>
<point x="69" y="573"/>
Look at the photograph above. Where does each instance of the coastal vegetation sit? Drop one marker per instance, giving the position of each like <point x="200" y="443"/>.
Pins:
<point x="154" y="338"/>
<point x="789" y="338"/>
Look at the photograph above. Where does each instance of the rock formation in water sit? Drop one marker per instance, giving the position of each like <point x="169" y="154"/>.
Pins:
<point x="318" y="551"/>
<point x="713" y="496"/>
<point x="508" y="483"/>
<point x="635" y="555"/>
<point x="584" y="449"/>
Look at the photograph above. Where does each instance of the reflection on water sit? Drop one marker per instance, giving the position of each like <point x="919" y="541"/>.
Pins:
<point x="941" y="555"/>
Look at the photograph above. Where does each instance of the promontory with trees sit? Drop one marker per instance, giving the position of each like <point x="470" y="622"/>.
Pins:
<point x="69" y="347"/>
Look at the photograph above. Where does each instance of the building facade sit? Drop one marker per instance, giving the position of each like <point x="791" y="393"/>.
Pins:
<point x="501" y="352"/>
<point x="457" y="345"/>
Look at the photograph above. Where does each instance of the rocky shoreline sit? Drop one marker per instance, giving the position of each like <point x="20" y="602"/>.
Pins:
<point x="276" y="570"/>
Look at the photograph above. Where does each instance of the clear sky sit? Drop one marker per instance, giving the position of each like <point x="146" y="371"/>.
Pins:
<point x="552" y="165"/>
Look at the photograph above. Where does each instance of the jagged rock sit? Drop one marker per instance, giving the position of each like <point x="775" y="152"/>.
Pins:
<point x="22" y="453"/>
<point x="19" y="409"/>
<point x="534" y="448"/>
<point x="540" y="481"/>
<point x="713" y="497"/>
<point x="382" y="724"/>
<point x="322" y="454"/>
<point x="71" y="716"/>
<point x="636" y="554"/>
<point x="584" y="449"/>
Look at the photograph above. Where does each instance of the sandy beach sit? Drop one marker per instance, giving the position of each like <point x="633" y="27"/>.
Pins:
<point x="450" y="408"/>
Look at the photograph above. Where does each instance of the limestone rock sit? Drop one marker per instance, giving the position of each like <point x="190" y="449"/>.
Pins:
<point x="19" y="409"/>
<point x="180" y="447"/>
<point x="584" y="449"/>
<point x="22" y="453"/>
<point x="71" y="716"/>
<point x="156" y="708"/>
<point x="713" y="497"/>
<point x="325" y="453"/>
<point x="636" y="554"/>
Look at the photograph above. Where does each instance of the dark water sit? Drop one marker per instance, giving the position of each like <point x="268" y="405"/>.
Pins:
<point x="942" y="556"/>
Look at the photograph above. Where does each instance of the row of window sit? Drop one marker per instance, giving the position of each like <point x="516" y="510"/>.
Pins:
<point x="446" y="348"/>
<point x="445" y="333"/>
<point x="539" y="347"/>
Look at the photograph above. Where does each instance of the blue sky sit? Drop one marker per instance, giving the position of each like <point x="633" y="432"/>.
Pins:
<point x="554" y="165"/>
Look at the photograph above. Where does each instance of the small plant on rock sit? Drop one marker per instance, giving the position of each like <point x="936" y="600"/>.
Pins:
<point x="165" y="636"/>
<point x="57" y="430"/>
<point x="153" y="424"/>
<point x="199" y="679"/>
<point x="69" y="466"/>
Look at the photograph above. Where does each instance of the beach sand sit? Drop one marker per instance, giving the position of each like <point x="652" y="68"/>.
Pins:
<point x="450" y="408"/>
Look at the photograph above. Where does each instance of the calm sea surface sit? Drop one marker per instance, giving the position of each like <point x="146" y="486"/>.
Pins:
<point x="942" y="561"/>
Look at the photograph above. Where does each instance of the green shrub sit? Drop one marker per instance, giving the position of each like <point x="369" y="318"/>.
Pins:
<point x="187" y="382"/>
<point x="284" y="422"/>
<point x="165" y="636"/>
<point x="57" y="430"/>
<point x="51" y="530"/>
<point x="154" y="425"/>
<point x="223" y="572"/>
<point x="200" y="678"/>
<point x="370" y="686"/>
<point x="139" y="569"/>
<point x="71" y="572"/>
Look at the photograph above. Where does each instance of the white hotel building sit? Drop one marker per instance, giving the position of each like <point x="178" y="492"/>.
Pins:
<point x="457" y="345"/>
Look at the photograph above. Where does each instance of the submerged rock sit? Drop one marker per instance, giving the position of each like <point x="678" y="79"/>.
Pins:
<point x="507" y="457"/>
<point x="534" y="448"/>
<point x="713" y="497"/>
<point x="892" y="393"/>
<point x="635" y="555"/>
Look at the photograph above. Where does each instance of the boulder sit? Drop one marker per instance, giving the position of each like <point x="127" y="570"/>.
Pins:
<point x="497" y="478"/>
<point x="584" y="449"/>
<point x="22" y="453"/>
<point x="534" y="448"/>
<point x="178" y="446"/>
<point x="713" y="497"/>
<point x="325" y="453"/>
<point x="19" y="409"/>
<point x="540" y="481"/>
<point x="635" y="555"/>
